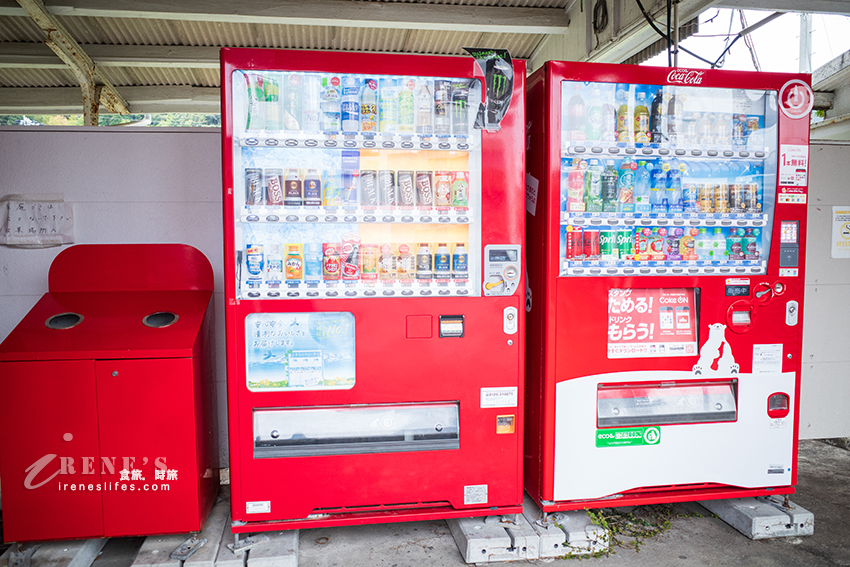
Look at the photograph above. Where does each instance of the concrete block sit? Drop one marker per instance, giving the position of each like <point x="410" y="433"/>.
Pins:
<point x="280" y="551"/>
<point x="763" y="517"/>
<point x="564" y="533"/>
<point x="226" y="558"/>
<point x="213" y="532"/>
<point x="156" y="551"/>
<point x="77" y="553"/>
<point x="481" y="541"/>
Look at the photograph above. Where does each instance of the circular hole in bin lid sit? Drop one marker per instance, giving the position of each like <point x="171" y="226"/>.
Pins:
<point x="64" y="321"/>
<point x="160" y="319"/>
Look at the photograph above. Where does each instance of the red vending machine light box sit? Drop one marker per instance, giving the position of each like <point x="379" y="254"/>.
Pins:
<point x="109" y="428"/>
<point x="666" y="265"/>
<point x="375" y="309"/>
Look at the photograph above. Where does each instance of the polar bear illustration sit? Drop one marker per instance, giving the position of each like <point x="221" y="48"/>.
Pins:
<point x="715" y="356"/>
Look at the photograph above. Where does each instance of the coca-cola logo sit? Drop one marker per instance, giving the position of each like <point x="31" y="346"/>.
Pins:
<point x="685" y="77"/>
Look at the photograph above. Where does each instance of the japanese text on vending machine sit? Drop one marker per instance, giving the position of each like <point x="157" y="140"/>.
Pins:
<point x="645" y="323"/>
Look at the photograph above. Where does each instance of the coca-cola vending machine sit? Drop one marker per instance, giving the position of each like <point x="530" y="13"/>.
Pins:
<point x="666" y="256"/>
<point x="374" y="229"/>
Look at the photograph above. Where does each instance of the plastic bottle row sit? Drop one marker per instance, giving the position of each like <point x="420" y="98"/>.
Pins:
<point x="314" y="102"/>
<point x="352" y="263"/>
<point x="352" y="188"/>
<point x="625" y="246"/>
<point x="654" y="114"/>
<point x="659" y="186"/>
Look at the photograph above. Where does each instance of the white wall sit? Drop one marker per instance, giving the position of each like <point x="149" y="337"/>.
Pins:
<point x="156" y="185"/>
<point x="127" y="185"/>
<point x="825" y="395"/>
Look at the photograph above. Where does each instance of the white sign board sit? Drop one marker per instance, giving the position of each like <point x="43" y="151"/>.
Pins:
<point x="840" y="232"/>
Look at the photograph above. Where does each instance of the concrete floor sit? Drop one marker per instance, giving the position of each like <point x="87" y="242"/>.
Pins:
<point x="692" y="540"/>
<point x="823" y="488"/>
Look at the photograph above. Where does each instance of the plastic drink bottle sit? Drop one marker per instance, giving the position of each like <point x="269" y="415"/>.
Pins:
<point x="623" y="117"/>
<point x="310" y="110"/>
<point x="406" y="108"/>
<point x="626" y="187"/>
<point x="703" y="245"/>
<point x="388" y="105"/>
<point x="675" y="202"/>
<point x="594" y="117"/>
<point x="350" y="106"/>
<point x="609" y="187"/>
<point x="593" y="187"/>
<point x="369" y="106"/>
<point x="641" y="119"/>
<point x="292" y="102"/>
<point x="656" y="118"/>
<point x="718" y="246"/>
<point x="642" y="189"/>
<point x="576" y="128"/>
<point x="330" y="104"/>
<point x="658" y="183"/>
<point x="424" y="104"/>
<point x="274" y="267"/>
<point x="312" y="263"/>
<point x="271" y="94"/>
<point x="575" y="186"/>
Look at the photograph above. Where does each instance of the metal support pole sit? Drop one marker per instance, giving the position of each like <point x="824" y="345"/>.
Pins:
<point x="805" y="43"/>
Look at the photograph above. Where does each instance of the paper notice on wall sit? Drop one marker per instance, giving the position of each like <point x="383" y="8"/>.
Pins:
<point x="36" y="221"/>
<point x="531" y="185"/>
<point x="840" y="232"/>
<point x="793" y="165"/>
<point x="767" y="359"/>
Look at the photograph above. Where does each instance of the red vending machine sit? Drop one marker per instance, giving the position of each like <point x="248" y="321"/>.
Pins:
<point x="666" y="263"/>
<point x="374" y="228"/>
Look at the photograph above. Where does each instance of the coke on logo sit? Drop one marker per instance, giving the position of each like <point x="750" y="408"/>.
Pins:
<point x="685" y="77"/>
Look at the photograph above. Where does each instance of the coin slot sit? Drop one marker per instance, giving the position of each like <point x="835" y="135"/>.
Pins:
<point x="64" y="321"/>
<point x="160" y="319"/>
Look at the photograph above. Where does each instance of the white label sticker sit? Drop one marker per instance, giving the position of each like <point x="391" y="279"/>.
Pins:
<point x="767" y="359"/>
<point x="531" y="185"/>
<point x="778" y="423"/>
<point x="499" y="397"/>
<point x="792" y="198"/>
<point x="737" y="281"/>
<point x="475" y="494"/>
<point x="789" y="272"/>
<point x="263" y="507"/>
<point x="793" y="165"/>
<point x="840" y="232"/>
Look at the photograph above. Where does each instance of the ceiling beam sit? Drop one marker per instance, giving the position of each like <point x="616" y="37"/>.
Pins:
<point x="342" y="13"/>
<point x="815" y="6"/>
<point x="60" y="41"/>
<point x="39" y="56"/>
<point x="141" y="100"/>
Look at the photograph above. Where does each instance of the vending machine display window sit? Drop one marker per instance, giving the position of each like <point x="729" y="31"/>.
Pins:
<point x="347" y="188"/>
<point x="665" y="180"/>
<point x="299" y="351"/>
<point x="652" y="323"/>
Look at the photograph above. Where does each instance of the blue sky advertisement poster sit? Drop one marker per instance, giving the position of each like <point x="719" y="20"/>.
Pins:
<point x="299" y="351"/>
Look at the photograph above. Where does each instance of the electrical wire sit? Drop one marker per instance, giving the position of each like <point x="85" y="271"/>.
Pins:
<point x="666" y="36"/>
<point x="748" y="41"/>
<point x="726" y="46"/>
<point x="669" y="38"/>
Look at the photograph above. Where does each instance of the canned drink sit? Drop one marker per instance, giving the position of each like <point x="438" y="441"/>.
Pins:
<point x="753" y="205"/>
<point x="312" y="189"/>
<point x="424" y="189"/>
<point x="293" y="195"/>
<point x="706" y="199"/>
<point x="575" y="243"/>
<point x="460" y="189"/>
<point x="721" y="198"/>
<point x="737" y="202"/>
<point x="254" y="193"/>
<point x="331" y="263"/>
<point x="608" y="245"/>
<point x="368" y="188"/>
<point x="350" y="257"/>
<point x="443" y="189"/>
<point x="590" y="241"/>
<point x="369" y="262"/>
<point x="625" y="244"/>
<point x="274" y="186"/>
<point x="406" y="190"/>
<point x="386" y="186"/>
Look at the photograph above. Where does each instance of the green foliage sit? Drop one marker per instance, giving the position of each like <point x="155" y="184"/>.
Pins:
<point x="168" y="120"/>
